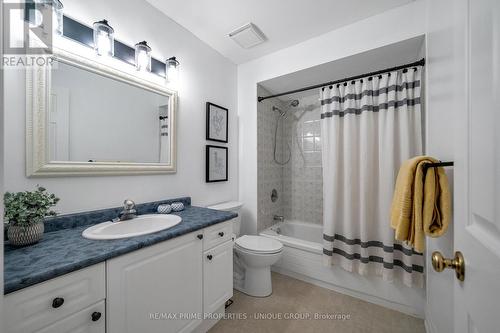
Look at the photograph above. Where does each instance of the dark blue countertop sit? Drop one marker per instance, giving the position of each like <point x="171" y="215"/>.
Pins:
<point x="62" y="251"/>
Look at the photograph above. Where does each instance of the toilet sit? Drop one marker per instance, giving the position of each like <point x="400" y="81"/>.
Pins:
<point x="253" y="256"/>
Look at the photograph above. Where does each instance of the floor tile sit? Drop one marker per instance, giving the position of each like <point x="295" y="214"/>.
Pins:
<point x="294" y="304"/>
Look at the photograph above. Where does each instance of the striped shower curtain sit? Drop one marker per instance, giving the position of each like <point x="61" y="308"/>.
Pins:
<point x="369" y="127"/>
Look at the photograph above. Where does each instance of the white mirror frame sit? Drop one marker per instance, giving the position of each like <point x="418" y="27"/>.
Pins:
<point x="38" y="85"/>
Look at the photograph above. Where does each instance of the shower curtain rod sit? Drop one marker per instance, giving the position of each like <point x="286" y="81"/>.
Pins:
<point x="421" y="62"/>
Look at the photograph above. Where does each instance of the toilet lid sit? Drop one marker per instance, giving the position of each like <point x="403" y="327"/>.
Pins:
<point x="259" y="244"/>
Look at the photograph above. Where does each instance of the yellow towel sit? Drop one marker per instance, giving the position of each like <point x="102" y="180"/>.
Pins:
<point x="420" y="208"/>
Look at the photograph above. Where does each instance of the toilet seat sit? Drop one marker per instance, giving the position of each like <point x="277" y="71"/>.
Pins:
<point x="258" y="244"/>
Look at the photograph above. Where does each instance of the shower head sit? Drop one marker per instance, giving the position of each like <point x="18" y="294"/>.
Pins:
<point x="294" y="103"/>
<point x="281" y="112"/>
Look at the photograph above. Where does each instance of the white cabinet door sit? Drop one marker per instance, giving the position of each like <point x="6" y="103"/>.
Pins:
<point x="89" y="320"/>
<point x="156" y="289"/>
<point x="217" y="276"/>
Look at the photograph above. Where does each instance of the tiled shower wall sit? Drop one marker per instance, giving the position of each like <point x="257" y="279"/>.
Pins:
<point x="269" y="173"/>
<point x="298" y="183"/>
<point x="302" y="177"/>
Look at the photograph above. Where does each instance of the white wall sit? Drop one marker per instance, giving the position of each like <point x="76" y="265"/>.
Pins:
<point x="205" y="76"/>
<point x="390" y="27"/>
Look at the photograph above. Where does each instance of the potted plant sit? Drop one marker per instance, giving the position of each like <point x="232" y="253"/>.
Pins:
<point x="25" y="213"/>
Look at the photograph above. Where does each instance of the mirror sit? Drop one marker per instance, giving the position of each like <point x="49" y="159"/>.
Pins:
<point x="95" y="118"/>
<point x="85" y="118"/>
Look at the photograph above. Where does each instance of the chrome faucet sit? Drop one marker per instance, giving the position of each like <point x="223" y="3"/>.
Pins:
<point x="278" y="218"/>
<point x="129" y="211"/>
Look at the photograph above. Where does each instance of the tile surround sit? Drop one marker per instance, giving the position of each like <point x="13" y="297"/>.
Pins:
<point x="302" y="177"/>
<point x="299" y="182"/>
<point x="269" y="173"/>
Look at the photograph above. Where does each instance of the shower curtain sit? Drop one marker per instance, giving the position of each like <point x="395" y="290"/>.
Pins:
<point x="369" y="127"/>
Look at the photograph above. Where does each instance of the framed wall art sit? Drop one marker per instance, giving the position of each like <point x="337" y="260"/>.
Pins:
<point x="217" y="123"/>
<point x="216" y="164"/>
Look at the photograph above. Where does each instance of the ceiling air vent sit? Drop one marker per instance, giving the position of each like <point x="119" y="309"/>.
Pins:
<point x="247" y="36"/>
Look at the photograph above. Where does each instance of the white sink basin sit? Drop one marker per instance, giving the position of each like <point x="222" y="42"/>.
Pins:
<point x="141" y="225"/>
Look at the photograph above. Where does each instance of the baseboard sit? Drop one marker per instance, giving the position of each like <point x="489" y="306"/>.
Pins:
<point x="362" y="296"/>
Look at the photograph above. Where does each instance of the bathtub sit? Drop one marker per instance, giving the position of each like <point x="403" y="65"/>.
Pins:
<point x="302" y="259"/>
<point x="296" y="234"/>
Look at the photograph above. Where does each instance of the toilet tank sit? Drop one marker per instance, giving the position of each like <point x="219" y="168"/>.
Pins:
<point x="231" y="206"/>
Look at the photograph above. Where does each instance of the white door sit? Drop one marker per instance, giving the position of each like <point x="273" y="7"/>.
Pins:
<point x="477" y="170"/>
<point x="217" y="276"/>
<point x="157" y="289"/>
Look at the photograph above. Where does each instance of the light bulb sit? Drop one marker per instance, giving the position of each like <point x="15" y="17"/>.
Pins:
<point x="172" y="70"/>
<point x="143" y="56"/>
<point x="142" y="60"/>
<point x="173" y="74"/>
<point x="103" y="46"/>
<point x="104" y="40"/>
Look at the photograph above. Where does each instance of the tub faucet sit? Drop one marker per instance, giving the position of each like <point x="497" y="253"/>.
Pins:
<point x="278" y="218"/>
<point x="129" y="211"/>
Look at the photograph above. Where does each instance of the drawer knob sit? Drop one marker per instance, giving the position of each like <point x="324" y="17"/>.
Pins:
<point x="96" y="316"/>
<point x="57" y="302"/>
<point x="221" y="234"/>
<point x="200" y="236"/>
<point x="209" y="257"/>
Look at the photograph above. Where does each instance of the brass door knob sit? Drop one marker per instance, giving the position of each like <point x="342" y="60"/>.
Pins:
<point x="458" y="263"/>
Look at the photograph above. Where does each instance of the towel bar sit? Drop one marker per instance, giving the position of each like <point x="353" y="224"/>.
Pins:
<point x="436" y="165"/>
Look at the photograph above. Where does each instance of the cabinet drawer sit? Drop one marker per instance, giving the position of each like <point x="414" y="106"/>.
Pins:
<point x="217" y="234"/>
<point x="88" y="320"/>
<point x="30" y="309"/>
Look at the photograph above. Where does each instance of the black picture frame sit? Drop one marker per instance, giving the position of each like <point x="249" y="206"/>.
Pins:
<point x="209" y="177"/>
<point x="210" y="135"/>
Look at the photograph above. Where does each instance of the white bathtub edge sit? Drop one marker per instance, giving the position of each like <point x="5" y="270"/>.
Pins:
<point x="295" y="243"/>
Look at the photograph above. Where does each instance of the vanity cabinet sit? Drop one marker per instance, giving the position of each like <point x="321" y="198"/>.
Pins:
<point x="156" y="289"/>
<point x="172" y="286"/>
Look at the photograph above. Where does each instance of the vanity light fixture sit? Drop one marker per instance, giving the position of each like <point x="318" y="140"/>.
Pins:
<point x="143" y="56"/>
<point x="57" y="21"/>
<point x="104" y="40"/>
<point x="172" y="70"/>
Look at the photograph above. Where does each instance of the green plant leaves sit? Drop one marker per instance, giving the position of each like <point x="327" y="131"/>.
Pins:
<point x="29" y="207"/>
